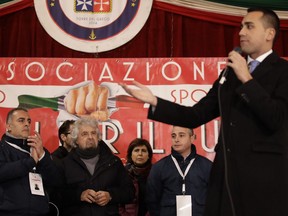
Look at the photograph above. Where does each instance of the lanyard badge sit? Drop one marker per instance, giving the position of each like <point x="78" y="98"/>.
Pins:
<point x="183" y="202"/>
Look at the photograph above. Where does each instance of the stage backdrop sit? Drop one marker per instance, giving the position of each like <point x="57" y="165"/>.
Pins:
<point x="56" y="89"/>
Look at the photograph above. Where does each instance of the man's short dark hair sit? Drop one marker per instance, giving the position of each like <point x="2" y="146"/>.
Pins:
<point x="11" y="112"/>
<point x="64" y="129"/>
<point x="271" y="19"/>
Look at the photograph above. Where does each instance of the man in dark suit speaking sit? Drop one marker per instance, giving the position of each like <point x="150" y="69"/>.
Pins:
<point x="249" y="174"/>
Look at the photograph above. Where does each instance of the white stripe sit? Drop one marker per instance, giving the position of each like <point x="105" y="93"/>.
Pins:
<point x="183" y="175"/>
<point x="9" y="3"/>
<point x="218" y="8"/>
<point x="17" y="147"/>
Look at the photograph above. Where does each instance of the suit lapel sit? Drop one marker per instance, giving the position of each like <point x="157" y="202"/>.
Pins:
<point x="265" y="66"/>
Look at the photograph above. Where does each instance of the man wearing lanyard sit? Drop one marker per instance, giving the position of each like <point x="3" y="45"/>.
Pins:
<point x="25" y="166"/>
<point x="179" y="179"/>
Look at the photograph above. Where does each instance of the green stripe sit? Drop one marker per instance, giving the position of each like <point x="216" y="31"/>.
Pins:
<point x="5" y="1"/>
<point x="30" y="101"/>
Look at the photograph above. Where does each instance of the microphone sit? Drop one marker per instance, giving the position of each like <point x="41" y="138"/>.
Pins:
<point x="225" y="72"/>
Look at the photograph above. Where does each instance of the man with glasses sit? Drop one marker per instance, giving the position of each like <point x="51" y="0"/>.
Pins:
<point x="64" y="135"/>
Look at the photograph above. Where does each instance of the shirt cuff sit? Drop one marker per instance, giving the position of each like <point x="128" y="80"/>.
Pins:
<point x="42" y="156"/>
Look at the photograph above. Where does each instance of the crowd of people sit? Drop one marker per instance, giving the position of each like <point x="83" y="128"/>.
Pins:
<point x="84" y="178"/>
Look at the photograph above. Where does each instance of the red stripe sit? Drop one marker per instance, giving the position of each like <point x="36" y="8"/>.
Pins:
<point x="207" y="16"/>
<point x="17" y="6"/>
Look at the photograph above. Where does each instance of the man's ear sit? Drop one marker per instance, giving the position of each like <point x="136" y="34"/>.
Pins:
<point x="270" y="34"/>
<point x="8" y="127"/>
<point x="193" y="137"/>
<point x="63" y="137"/>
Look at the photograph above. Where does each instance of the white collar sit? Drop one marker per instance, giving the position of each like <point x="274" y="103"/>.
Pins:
<point x="260" y="58"/>
<point x="17" y="147"/>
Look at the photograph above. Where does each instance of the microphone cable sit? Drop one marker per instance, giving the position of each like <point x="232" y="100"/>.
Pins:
<point x="224" y="144"/>
<point x="55" y="206"/>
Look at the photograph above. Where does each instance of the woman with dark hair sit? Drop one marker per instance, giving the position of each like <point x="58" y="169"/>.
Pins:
<point x="139" y="162"/>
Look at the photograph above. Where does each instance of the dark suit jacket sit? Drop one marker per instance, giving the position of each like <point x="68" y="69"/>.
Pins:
<point x="255" y="126"/>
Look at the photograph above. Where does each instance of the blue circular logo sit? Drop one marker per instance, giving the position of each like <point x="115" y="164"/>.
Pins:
<point x="93" y="25"/>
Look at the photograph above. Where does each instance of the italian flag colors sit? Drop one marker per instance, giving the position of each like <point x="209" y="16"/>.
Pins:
<point x="10" y="6"/>
<point x="228" y="12"/>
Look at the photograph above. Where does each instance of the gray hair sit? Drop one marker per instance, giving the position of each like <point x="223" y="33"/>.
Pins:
<point x="190" y="130"/>
<point x="11" y="112"/>
<point x="84" y="121"/>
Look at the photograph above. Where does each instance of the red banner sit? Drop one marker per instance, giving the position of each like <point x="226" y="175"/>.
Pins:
<point x="53" y="88"/>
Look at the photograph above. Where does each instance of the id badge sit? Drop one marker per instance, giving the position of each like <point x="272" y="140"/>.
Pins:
<point x="36" y="184"/>
<point x="184" y="205"/>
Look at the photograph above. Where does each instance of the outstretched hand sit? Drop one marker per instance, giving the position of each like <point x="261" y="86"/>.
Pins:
<point x="142" y="93"/>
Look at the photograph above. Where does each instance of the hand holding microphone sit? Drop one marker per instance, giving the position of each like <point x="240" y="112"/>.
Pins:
<point x="239" y="65"/>
<point x="228" y="66"/>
